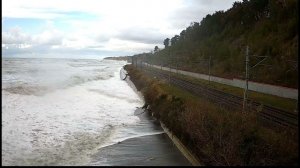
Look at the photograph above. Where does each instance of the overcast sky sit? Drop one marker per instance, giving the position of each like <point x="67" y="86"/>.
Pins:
<point x="55" y="28"/>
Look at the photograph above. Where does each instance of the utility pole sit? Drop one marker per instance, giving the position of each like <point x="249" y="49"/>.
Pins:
<point x="136" y="62"/>
<point x="170" y="65"/>
<point x="296" y="110"/>
<point x="247" y="77"/>
<point x="132" y="62"/>
<point x="209" y="64"/>
<point x="294" y="65"/>
<point x="176" y="63"/>
<point x="248" y="68"/>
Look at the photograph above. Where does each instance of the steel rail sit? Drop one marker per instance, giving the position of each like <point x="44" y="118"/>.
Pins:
<point x="230" y="101"/>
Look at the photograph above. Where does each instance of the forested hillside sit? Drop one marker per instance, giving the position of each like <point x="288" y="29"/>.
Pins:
<point x="268" y="27"/>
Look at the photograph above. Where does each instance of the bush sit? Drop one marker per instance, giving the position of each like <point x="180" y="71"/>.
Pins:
<point x="215" y="135"/>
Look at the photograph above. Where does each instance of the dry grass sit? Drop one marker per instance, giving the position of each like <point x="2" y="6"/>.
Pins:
<point x="267" y="99"/>
<point x="215" y="135"/>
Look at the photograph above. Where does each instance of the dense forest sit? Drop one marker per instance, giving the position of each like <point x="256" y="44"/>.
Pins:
<point x="268" y="27"/>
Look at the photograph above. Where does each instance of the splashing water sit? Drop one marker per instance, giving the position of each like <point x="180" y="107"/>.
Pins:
<point x="60" y="111"/>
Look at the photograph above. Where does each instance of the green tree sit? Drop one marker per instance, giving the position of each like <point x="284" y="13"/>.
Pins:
<point x="156" y="49"/>
<point x="166" y="42"/>
<point x="174" y="40"/>
<point x="268" y="27"/>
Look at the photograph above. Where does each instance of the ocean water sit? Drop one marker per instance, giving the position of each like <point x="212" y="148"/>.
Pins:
<point x="61" y="111"/>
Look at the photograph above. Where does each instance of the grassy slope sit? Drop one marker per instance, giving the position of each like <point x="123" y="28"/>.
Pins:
<point x="215" y="135"/>
<point x="276" y="101"/>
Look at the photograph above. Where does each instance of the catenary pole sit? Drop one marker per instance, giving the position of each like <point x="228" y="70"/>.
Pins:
<point x="247" y="78"/>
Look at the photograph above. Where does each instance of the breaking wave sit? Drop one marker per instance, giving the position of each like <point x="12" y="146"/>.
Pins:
<point x="61" y="111"/>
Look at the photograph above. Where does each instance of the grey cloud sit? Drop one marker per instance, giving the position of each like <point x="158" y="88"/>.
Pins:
<point x="183" y="17"/>
<point x="213" y="5"/>
<point x="141" y="35"/>
<point x="196" y="10"/>
<point x="102" y="37"/>
<point x="95" y="46"/>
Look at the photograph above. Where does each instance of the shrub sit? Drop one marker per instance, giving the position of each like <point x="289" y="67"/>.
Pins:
<point x="215" y="135"/>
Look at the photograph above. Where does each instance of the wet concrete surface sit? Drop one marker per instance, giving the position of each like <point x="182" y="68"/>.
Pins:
<point x="149" y="150"/>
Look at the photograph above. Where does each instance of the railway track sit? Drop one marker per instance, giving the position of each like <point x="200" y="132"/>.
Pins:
<point x="229" y="101"/>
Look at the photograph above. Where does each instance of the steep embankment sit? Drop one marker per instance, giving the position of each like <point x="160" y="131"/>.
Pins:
<point x="216" y="136"/>
<point x="268" y="27"/>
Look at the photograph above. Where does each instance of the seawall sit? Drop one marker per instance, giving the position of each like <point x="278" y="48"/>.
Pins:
<point x="176" y="141"/>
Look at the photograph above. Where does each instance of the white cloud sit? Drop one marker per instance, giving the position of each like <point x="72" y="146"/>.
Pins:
<point x="15" y="36"/>
<point x="108" y="8"/>
<point x="141" y="34"/>
<point x="125" y="26"/>
<point x="119" y="45"/>
<point x="48" y="37"/>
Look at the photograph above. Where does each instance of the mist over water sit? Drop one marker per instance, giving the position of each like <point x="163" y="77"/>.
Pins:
<point x="60" y="111"/>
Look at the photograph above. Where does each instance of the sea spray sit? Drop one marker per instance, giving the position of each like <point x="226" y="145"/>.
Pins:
<point x="60" y="111"/>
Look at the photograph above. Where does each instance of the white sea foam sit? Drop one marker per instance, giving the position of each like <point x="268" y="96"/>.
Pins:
<point x="60" y="111"/>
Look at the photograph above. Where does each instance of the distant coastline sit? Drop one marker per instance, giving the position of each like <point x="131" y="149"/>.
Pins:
<point x="120" y="58"/>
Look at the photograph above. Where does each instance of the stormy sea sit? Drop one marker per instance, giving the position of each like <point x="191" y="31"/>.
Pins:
<point x="77" y="112"/>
